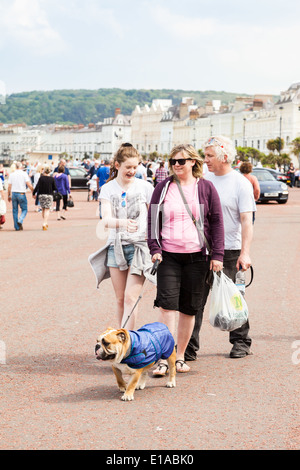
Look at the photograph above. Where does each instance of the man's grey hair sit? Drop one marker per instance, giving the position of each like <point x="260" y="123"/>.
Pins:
<point x="223" y="147"/>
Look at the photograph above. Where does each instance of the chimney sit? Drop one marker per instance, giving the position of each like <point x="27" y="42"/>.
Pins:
<point x="209" y="107"/>
<point x="194" y="114"/>
<point x="257" y="104"/>
<point x="117" y="111"/>
<point x="183" y="110"/>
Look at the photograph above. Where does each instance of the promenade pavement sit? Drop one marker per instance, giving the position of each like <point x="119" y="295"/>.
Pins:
<point x="54" y="394"/>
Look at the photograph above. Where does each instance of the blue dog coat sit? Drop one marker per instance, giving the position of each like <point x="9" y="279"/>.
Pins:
<point x="149" y="344"/>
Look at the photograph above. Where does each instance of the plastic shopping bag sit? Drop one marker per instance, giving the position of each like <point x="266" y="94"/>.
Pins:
<point x="228" y="309"/>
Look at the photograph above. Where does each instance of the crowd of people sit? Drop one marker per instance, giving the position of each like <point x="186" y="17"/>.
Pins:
<point x="48" y="185"/>
<point x="192" y="215"/>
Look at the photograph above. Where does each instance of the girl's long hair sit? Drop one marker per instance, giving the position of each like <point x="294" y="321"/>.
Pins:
<point x="125" y="151"/>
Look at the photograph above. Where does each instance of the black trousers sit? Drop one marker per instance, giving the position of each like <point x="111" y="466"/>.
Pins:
<point x="240" y="335"/>
<point x="181" y="282"/>
<point x="64" y="200"/>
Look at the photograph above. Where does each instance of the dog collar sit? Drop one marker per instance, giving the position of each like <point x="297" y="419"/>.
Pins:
<point x="128" y="349"/>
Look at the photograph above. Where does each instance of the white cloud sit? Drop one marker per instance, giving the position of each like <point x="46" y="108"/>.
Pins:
<point x="181" y="26"/>
<point x="106" y="17"/>
<point x="244" y="47"/>
<point x="92" y="13"/>
<point x="25" y="22"/>
<point x="259" y="52"/>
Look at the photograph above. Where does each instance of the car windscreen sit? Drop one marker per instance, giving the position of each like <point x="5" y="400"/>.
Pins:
<point x="263" y="176"/>
<point x="77" y="172"/>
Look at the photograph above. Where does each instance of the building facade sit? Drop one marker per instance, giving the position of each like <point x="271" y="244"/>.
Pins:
<point x="47" y="142"/>
<point x="249" y="122"/>
<point x="146" y="127"/>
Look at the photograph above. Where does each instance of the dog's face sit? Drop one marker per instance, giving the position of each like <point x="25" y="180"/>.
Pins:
<point x="112" y="345"/>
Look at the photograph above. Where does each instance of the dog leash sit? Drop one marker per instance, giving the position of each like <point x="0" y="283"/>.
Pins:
<point x="153" y="272"/>
<point x="252" y="275"/>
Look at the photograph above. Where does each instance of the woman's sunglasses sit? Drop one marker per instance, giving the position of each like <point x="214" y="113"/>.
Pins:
<point x="180" y="161"/>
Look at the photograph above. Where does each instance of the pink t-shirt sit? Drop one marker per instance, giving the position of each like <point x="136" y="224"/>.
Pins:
<point x="179" y="234"/>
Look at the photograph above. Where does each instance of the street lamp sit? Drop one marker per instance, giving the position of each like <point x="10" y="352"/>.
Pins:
<point x="244" y="131"/>
<point x="280" y="123"/>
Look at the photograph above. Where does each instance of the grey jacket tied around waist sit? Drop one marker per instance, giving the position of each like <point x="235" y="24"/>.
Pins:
<point x="141" y="262"/>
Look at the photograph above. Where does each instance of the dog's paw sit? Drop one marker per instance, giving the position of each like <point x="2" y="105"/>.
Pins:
<point x="140" y="386"/>
<point x="126" y="397"/>
<point x="122" y="389"/>
<point x="171" y="384"/>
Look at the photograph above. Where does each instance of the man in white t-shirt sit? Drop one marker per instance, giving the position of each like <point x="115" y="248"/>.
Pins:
<point x="18" y="182"/>
<point x="141" y="172"/>
<point x="237" y="201"/>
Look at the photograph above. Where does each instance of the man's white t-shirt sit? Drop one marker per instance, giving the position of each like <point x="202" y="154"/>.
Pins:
<point x="141" y="172"/>
<point x="18" y="180"/>
<point x="135" y="202"/>
<point x="236" y="196"/>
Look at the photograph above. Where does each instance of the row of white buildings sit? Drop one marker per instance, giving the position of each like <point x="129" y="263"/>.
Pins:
<point x="249" y="122"/>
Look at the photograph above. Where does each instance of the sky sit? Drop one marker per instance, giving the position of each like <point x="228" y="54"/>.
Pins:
<point x="234" y="46"/>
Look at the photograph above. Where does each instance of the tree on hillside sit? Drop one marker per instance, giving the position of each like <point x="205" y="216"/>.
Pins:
<point x="85" y="106"/>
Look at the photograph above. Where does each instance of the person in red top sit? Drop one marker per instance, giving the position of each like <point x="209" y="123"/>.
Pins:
<point x="246" y="169"/>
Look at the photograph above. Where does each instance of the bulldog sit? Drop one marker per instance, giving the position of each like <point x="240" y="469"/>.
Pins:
<point x="135" y="352"/>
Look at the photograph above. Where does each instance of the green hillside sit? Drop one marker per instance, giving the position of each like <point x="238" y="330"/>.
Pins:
<point x="85" y="106"/>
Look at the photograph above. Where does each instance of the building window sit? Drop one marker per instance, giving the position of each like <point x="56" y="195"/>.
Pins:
<point x="258" y="144"/>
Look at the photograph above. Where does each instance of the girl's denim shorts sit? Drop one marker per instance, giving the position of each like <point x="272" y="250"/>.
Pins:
<point x="128" y="251"/>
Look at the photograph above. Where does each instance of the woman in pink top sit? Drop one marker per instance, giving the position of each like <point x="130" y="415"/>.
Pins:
<point x="174" y="240"/>
<point x="246" y="169"/>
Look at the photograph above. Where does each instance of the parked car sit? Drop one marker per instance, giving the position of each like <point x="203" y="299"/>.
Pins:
<point x="283" y="177"/>
<point x="270" y="188"/>
<point x="79" y="178"/>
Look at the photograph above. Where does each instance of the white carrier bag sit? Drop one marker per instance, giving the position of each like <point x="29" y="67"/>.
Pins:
<point x="2" y="207"/>
<point x="228" y="309"/>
